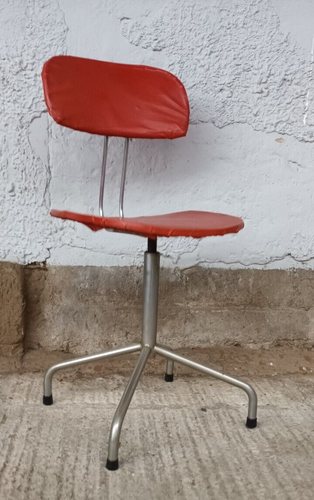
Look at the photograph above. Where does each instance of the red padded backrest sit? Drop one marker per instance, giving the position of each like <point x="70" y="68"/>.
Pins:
<point x="115" y="99"/>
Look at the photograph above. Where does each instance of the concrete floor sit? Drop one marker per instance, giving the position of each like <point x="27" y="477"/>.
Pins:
<point x="185" y="440"/>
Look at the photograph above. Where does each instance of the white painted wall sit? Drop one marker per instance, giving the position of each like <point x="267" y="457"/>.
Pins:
<point x="247" y="68"/>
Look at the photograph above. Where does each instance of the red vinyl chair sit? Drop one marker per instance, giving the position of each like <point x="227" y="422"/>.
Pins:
<point x="131" y="101"/>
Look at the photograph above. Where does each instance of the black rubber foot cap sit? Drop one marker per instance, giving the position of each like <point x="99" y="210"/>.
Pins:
<point x="47" y="400"/>
<point x="251" y="423"/>
<point x="112" y="464"/>
<point x="168" y="378"/>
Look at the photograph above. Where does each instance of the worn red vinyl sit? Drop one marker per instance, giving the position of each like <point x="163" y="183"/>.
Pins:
<point x="127" y="101"/>
<point x="192" y="223"/>
<point x="114" y="99"/>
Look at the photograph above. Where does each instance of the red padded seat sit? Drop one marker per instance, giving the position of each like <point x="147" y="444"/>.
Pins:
<point x="192" y="223"/>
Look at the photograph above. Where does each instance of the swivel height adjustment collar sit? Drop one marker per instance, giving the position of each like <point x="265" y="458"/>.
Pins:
<point x="152" y="245"/>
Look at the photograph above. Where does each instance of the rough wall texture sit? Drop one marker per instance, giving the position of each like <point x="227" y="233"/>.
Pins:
<point x="236" y="62"/>
<point x="31" y="31"/>
<point x="248" y="70"/>
<point x="11" y="313"/>
<point x="87" y="309"/>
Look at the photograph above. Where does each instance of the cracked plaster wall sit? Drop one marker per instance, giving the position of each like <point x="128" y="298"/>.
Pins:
<point x="248" y="70"/>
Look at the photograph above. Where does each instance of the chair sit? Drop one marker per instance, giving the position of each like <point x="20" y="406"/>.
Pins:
<point x="131" y="101"/>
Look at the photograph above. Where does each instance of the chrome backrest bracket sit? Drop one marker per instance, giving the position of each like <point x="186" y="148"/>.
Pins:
<point x="103" y="176"/>
<point x="123" y="177"/>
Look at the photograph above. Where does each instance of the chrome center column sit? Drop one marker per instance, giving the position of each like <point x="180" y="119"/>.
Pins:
<point x="150" y="299"/>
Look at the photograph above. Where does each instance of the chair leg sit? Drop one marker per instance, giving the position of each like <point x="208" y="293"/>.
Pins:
<point x="169" y="370"/>
<point x="116" y="426"/>
<point x="169" y="364"/>
<point x="251" y="421"/>
<point x="48" y="400"/>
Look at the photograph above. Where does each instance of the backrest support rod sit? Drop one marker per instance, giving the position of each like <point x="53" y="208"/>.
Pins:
<point x="123" y="177"/>
<point x="103" y="176"/>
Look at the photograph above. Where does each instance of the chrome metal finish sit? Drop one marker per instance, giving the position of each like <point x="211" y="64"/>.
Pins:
<point x="123" y="177"/>
<point x="118" y="418"/>
<point x="103" y="176"/>
<point x="85" y="359"/>
<point x="148" y="348"/>
<point x="150" y="302"/>
<point x="169" y="367"/>
<point x="225" y="378"/>
<point x="169" y="362"/>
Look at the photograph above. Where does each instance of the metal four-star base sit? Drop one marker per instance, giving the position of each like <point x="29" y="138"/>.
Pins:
<point x="147" y="349"/>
